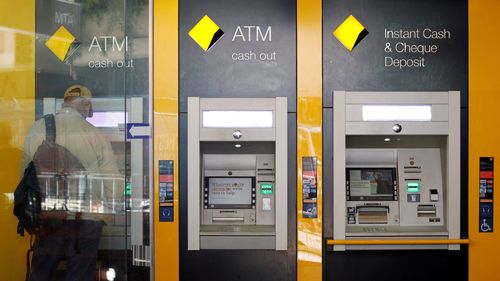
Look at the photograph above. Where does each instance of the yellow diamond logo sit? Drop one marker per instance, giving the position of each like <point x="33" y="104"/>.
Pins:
<point x="62" y="43"/>
<point x="350" y="32"/>
<point x="206" y="33"/>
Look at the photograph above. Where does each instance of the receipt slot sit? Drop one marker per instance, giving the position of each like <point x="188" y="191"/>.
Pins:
<point x="237" y="173"/>
<point x="396" y="167"/>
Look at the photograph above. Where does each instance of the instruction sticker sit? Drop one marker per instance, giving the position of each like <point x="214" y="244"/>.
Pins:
<point x="309" y="187"/>
<point x="166" y="192"/>
<point x="486" y="178"/>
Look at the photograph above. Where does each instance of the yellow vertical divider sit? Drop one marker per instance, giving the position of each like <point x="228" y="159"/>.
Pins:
<point x="165" y="132"/>
<point x="17" y="114"/>
<point x="484" y="132"/>
<point x="309" y="134"/>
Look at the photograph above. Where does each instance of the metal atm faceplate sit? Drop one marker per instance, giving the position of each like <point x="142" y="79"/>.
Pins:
<point x="240" y="201"/>
<point x="416" y="204"/>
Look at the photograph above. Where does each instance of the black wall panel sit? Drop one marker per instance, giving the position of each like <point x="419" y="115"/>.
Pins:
<point x="364" y="68"/>
<point x="215" y="73"/>
<point x="397" y="265"/>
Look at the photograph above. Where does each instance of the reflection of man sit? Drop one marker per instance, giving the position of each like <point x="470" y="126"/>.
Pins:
<point x="77" y="237"/>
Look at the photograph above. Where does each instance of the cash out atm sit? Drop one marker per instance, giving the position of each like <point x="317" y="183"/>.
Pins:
<point x="237" y="173"/>
<point x="396" y="168"/>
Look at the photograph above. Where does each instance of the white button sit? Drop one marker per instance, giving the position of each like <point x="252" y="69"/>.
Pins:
<point x="266" y="204"/>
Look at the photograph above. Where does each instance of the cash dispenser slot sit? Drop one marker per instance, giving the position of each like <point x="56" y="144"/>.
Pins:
<point x="228" y="219"/>
<point x="426" y="210"/>
<point x="373" y="214"/>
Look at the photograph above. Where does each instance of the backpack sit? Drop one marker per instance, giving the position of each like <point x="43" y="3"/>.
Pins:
<point x="28" y="202"/>
<point x="50" y="158"/>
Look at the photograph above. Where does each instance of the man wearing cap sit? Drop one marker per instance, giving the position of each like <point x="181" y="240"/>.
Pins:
<point x="78" y="237"/>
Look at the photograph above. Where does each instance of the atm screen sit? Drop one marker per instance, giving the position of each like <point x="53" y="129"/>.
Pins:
<point x="371" y="184"/>
<point x="229" y="192"/>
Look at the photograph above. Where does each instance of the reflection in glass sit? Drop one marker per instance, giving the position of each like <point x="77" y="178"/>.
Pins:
<point x="110" y="58"/>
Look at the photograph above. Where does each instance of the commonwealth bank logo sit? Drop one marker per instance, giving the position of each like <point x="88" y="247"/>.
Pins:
<point x="62" y="43"/>
<point x="206" y="33"/>
<point x="350" y="32"/>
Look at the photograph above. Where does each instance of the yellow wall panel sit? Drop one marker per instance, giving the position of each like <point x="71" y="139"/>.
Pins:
<point x="17" y="93"/>
<point x="484" y="131"/>
<point x="165" y="103"/>
<point x="309" y="133"/>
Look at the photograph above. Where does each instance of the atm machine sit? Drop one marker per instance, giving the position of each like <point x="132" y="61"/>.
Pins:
<point x="237" y="173"/>
<point x="396" y="167"/>
<point x="129" y="227"/>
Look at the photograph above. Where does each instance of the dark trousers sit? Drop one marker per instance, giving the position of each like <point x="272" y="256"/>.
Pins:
<point x="77" y="241"/>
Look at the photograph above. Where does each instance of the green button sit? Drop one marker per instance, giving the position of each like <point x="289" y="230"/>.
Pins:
<point x="128" y="189"/>
<point x="266" y="188"/>
<point x="413" y="186"/>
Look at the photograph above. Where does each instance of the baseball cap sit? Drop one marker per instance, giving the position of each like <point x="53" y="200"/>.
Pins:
<point x="77" y="91"/>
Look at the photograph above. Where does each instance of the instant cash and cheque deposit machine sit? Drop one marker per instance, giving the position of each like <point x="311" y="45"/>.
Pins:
<point x="237" y="173"/>
<point x="396" y="168"/>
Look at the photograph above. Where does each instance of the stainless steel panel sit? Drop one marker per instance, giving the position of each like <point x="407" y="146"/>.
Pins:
<point x="233" y="162"/>
<point x="408" y="128"/>
<point x="248" y="134"/>
<point x="371" y="158"/>
<point x="194" y="176"/>
<point x="396" y="97"/>
<point x="452" y="177"/>
<point x="265" y="165"/>
<point x="237" y="104"/>
<point x="428" y="162"/>
<point x="339" y="163"/>
<point x="281" y="193"/>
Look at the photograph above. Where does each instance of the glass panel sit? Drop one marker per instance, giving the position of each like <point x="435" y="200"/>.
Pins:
<point x="92" y="74"/>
